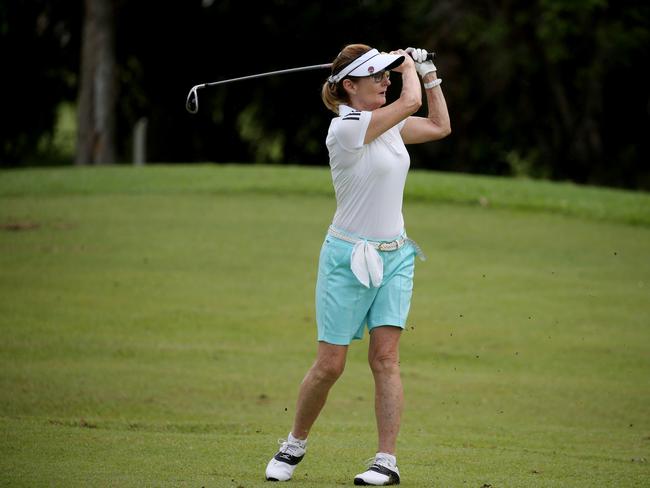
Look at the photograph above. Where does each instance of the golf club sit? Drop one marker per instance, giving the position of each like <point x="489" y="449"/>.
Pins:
<point x="192" y="102"/>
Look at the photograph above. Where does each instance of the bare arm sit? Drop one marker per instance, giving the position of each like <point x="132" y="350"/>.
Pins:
<point x="409" y="101"/>
<point x="433" y="127"/>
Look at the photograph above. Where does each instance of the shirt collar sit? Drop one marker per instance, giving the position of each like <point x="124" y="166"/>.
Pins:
<point x="345" y="109"/>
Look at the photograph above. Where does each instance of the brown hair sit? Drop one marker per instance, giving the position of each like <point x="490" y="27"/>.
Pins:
<point x="333" y="94"/>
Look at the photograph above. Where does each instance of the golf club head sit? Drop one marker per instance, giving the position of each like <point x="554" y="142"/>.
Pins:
<point x="192" y="102"/>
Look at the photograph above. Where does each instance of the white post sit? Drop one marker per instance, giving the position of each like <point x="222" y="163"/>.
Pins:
<point x="140" y="142"/>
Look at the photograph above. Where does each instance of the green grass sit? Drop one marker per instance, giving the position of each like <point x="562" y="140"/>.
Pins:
<point x="156" y="323"/>
<point x="486" y="191"/>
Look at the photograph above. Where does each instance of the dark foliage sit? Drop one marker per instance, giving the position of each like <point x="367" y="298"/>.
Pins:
<point x="551" y="88"/>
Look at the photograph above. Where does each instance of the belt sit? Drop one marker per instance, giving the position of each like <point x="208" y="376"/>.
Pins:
<point x="379" y="245"/>
<point x="365" y="262"/>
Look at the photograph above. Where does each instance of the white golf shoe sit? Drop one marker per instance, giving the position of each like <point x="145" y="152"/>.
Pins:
<point x="381" y="472"/>
<point x="282" y="465"/>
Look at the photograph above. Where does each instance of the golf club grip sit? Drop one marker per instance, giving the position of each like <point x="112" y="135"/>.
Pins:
<point x="430" y="56"/>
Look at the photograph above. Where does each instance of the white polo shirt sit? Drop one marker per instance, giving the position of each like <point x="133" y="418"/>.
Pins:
<point x="368" y="178"/>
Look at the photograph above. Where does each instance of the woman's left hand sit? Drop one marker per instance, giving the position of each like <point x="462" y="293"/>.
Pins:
<point x="422" y="64"/>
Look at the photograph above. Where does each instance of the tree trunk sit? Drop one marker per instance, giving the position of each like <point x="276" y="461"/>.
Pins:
<point x="97" y="92"/>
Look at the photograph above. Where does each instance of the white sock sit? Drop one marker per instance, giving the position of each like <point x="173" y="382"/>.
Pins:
<point x="294" y="440"/>
<point x="389" y="457"/>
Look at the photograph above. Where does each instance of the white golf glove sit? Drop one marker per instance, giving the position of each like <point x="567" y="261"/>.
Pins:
<point x="421" y="64"/>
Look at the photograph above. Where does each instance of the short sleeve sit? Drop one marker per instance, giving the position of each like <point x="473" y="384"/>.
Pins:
<point x="350" y="130"/>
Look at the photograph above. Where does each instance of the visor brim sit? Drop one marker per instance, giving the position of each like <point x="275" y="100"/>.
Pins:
<point x="381" y="62"/>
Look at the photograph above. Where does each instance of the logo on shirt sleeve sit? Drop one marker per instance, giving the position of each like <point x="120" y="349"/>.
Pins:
<point x="354" y="115"/>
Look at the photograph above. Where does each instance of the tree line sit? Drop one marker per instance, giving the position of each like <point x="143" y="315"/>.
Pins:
<point x="549" y="88"/>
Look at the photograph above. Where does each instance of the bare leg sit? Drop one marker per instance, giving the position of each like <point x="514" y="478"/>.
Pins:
<point x="316" y="385"/>
<point x="383" y="357"/>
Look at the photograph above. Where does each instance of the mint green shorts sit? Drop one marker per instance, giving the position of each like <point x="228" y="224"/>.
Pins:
<point x="344" y="306"/>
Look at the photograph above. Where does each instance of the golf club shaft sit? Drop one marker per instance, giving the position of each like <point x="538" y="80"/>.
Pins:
<point x="270" y="73"/>
<point x="192" y="102"/>
<point x="430" y="57"/>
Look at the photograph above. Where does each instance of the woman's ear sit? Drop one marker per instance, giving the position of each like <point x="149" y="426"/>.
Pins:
<point x="349" y="86"/>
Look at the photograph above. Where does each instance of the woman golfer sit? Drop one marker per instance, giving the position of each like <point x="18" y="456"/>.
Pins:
<point x="365" y="274"/>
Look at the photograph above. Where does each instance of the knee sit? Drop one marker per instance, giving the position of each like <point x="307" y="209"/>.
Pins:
<point x="328" y="371"/>
<point x="384" y="363"/>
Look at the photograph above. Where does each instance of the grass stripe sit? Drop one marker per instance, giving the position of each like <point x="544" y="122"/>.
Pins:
<point x="596" y="203"/>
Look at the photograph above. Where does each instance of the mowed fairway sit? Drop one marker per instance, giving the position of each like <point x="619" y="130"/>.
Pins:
<point x="156" y="323"/>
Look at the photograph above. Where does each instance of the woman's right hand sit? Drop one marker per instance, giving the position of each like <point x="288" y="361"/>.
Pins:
<point x="407" y="64"/>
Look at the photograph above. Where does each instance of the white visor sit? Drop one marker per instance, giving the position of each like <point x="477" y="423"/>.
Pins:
<point x="368" y="64"/>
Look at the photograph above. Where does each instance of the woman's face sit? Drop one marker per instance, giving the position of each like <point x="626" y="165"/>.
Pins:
<point x="368" y="92"/>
